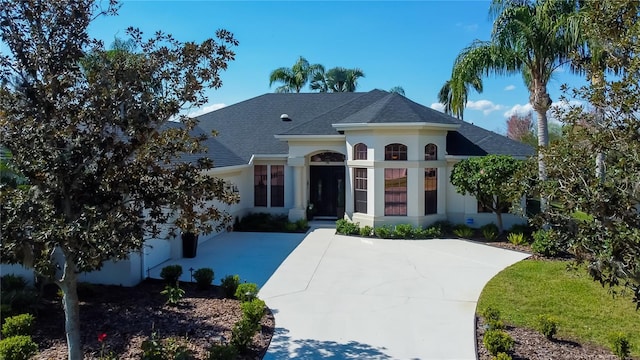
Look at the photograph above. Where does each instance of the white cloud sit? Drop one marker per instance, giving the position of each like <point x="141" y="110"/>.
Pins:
<point x="528" y="108"/>
<point x="468" y="27"/>
<point x="509" y="88"/>
<point x="518" y="109"/>
<point x="486" y="106"/>
<point x="437" y="106"/>
<point x="205" y="109"/>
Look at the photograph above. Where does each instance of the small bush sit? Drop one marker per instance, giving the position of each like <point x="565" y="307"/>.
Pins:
<point x="242" y="334"/>
<point x="366" y="231"/>
<point x="173" y="293"/>
<point x="516" y="238"/>
<point x="403" y="231"/>
<point x="503" y="356"/>
<point x="229" y="285"/>
<point x="620" y="345"/>
<point x="520" y="228"/>
<point x="171" y="274"/>
<point x="547" y="325"/>
<point x="262" y="222"/>
<point x="490" y="231"/>
<point x="290" y="227"/>
<point x="497" y="341"/>
<point x="222" y="352"/>
<point x="492" y="318"/>
<point x="545" y="243"/>
<point x="17" y="348"/>
<point x="433" y="231"/>
<point x="253" y="310"/>
<point x="11" y="282"/>
<point x="153" y="348"/>
<point x="445" y="227"/>
<point x="463" y="231"/>
<point x="302" y="224"/>
<point x="384" y="231"/>
<point x="246" y="292"/>
<point x="204" y="278"/>
<point x="18" y="325"/>
<point x="21" y="301"/>
<point x="345" y="227"/>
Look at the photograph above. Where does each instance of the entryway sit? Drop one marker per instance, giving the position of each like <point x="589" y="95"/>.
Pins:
<point x="326" y="190"/>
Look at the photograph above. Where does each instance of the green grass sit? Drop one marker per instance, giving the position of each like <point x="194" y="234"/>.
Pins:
<point x="586" y="312"/>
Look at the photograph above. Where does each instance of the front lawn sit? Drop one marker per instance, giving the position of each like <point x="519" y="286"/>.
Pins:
<point x="585" y="311"/>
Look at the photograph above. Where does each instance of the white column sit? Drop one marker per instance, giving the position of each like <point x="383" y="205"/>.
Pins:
<point x="299" y="210"/>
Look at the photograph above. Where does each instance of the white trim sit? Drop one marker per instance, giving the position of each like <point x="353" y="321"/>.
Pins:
<point x="400" y="125"/>
<point x="309" y="137"/>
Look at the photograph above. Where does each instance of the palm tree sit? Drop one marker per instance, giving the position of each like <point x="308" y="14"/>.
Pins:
<point x="455" y="106"/>
<point x="397" y="90"/>
<point x="294" y="78"/>
<point x="338" y="79"/>
<point x="530" y="37"/>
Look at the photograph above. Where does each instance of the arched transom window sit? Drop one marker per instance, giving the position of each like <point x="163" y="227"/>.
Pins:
<point x="431" y="152"/>
<point x="395" y="152"/>
<point x="360" y="151"/>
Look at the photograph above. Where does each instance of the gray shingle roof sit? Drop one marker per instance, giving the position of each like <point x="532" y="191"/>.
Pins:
<point x="249" y="127"/>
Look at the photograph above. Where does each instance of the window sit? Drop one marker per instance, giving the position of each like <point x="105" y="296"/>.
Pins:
<point x="360" y="189"/>
<point x="430" y="191"/>
<point x="395" y="192"/>
<point x="260" y="185"/>
<point x="277" y="185"/>
<point x="360" y="152"/>
<point x="431" y="152"/>
<point x="395" y="152"/>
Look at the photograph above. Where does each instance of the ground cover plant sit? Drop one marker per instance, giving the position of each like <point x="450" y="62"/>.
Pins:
<point x="584" y="311"/>
<point x="400" y="231"/>
<point x="265" y="222"/>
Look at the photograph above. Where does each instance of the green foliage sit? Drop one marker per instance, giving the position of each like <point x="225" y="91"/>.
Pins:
<point x="174" y="294"/>
<point x="345" y="227"/>
<point x="547" y="325"/>
<point x="545" y="243"/>
<point x="384" y="231"/>
<point x="445" y="226"/>
<point x="171" y="274"/>
<point x="222" y="352"/>
<point x="463" y="231"/>
<point x="620" y="345"/>
<point x="21" y="301"/>
<point x="246" y="292"/>
<point x="155" y="348"/>
<point x="290" y="227"/>
<point x="265" y="222"/>
<point x="366" y="231"/>
<point x="11" y="282"/>
<point x="497" y="341"/>
<point x="403" y="231"/>
<point x="492" y="318"/>
<point x="432" y="232"/>
<point x="302" y="225"/>
<point x="502" y="356"/>
<point x="253" y="310"/>
<point x="490" y="231"/>
<point x="204" y="278"/>
<point x="242" y="334"/>
<point x="520" y="228"/>
<point x="229" y="285"/>
<point x="517" y="238"/>
<point x="19" y="347"/>
<point x="18" y="325"/>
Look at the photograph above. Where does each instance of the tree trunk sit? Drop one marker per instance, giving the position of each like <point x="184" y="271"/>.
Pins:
<point x="597" y="80"/>
<point x="68" y="285"/>
<point x="541" y="103"/>
<point x="499" y="220"/>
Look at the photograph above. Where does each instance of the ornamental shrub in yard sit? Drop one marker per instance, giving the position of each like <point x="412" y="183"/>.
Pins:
<point x="204" y="277"/>
<point x="246" y="292"/>
<point x="497" y="341"/>
<point x="19" y="347"/>
<point x="620" y="345"/>
<point x="17" y="325"/>
<point x="229" y="285"/>
<point x="547" y="325"/>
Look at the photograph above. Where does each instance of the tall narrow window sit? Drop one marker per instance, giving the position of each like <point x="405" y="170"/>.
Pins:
<point x="277" y="185"/>
<point x="260" y="185"/>
<point x="395" y="152"/>
<point x="431" y="152"/>
<point x="360" y="189"/>
<point x="430" y="191"/>
<point x="395" y="192"/>
<point x="360" y="151"/>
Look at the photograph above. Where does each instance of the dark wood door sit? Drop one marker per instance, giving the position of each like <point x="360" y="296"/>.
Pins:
<point x="327" y="190"/>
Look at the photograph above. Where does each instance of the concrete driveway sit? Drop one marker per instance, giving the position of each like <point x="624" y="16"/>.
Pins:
<point x="338" y="297"/>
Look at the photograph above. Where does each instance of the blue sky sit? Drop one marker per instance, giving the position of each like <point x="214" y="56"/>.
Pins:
<point x="409" y="44"/>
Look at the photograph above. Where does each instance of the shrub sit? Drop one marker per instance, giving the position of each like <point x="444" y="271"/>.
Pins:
<point x="520" y="228"/>
<point x="152" y="348"/>
<point x="547" y="325"/>
<point x="403" y="231"/>
<point x="262" y="222"/>
<point x="253" y="310"/>
<point x="229" y="285"/>
<point x="17" y="325"/>
<point x="463" y="231"/>
<point x="171" y="274"/>
<point x="445" y="226"/>
<point x="246" y="292"/>
<point x="502" y="356"/>
<point x="620" y="345"/>
<point x="384" y="231"/>
<point x="492" y="318"/>
<point x="21" y="301"/>
<point x="517" y="238"/>
<point x="366" y="231"/>
<point x="11" y="282"/>
<point x="433" y="231"/>
<point x="173" y="293"/>
<point x="490" y="231"/>
<point x="545" y="243"/>
<point x="302" y="224"/>
<point x="242" y="334"/>
<point x="345" y="227"/>
<point x="19" y="347"/>
<point x="204" y="278"/>
<point x="222" y="352"/>
<point x="290" y="227"/>
<point x="497" y="341"/>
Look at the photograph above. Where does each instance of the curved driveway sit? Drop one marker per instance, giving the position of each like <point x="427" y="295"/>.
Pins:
<point x="338" y="297"/>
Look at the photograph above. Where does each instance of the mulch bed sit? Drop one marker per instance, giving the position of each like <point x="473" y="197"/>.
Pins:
<point x="129" y="315"/>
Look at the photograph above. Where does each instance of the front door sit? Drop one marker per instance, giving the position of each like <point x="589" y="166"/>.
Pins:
<point x="327" y="190"/>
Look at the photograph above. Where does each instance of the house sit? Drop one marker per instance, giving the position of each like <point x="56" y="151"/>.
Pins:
<point x="374" y="158"/>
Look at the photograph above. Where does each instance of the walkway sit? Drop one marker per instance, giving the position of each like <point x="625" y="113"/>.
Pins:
<point x="337" y="297"/>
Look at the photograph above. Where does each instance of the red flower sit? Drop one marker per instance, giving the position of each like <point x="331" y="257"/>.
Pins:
<point x="101" y="337"/>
